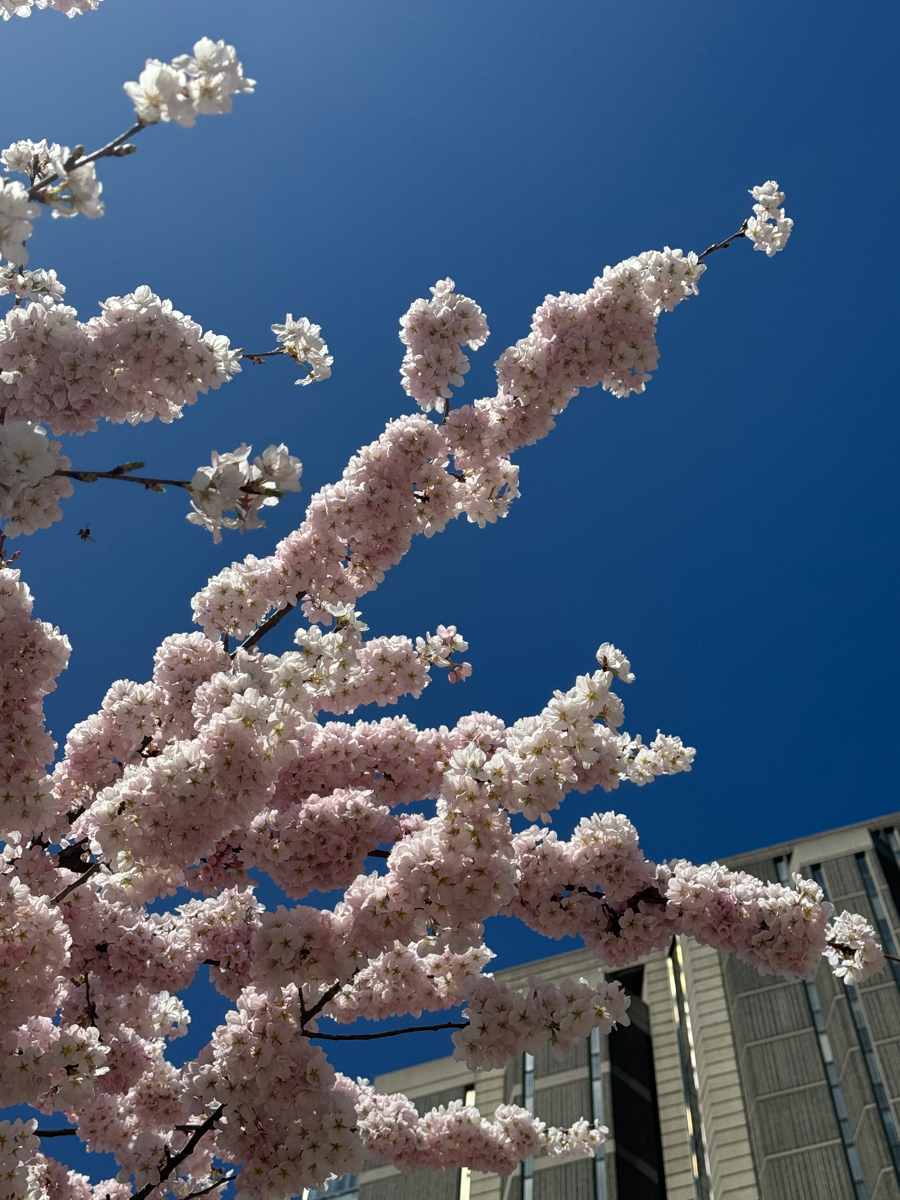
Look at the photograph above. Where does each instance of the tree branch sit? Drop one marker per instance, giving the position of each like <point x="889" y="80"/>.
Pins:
<point x="173" y="1161"/>
<point x="742" y="232"/>
<point x="368" y="1037"/>
<point x="149" y="483"/>
<point x="47" y="1133"/>
<point x="257" y="358"/>
<point x="267" y="625"/>
<point x="92" y="869"/>
<point x="212" y="1186"/>
<point x="321" y="1002"/>
<point x="106" y="151"/>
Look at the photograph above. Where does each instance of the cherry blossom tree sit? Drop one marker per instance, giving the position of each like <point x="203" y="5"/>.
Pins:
<point x="225" y="766"/>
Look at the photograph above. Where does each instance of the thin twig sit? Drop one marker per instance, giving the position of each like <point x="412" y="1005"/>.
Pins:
<point x="212" y="1186"/>
<point x="92" y="869"/>
<point x="367" y="1037"/>
<point x="267" y="625"/>
<point x="55" y="1132"/>
<point x="742" y="232"/>
<point x="173" y="1161"/>
<point x="93" y="476"/>
<point x="256" y="358"/>
<point x="104" y="152"/>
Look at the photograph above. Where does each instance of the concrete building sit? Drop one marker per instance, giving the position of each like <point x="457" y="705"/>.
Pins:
<point x="728" y="1085"/>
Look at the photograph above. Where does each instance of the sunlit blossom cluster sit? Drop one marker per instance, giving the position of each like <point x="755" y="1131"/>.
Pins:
<point x="68" y="191"/>
<point x="25" y="285"/>
<point x="32" y="654"/>
<point x="300" y="339"/>
<point x="233" y="484"/>
<point x="768" y="229"/>
<point x="30" y="489"/>
<point x="22" y="8"/>
<point x="190" y="86"/>
<point x="435" y="331"/>
<point x="852" y="949"/>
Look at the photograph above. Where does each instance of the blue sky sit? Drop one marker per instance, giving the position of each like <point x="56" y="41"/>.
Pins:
<point x="733" y="529"/>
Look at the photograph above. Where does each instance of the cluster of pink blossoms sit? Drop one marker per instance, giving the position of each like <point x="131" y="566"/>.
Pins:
<point x="503" y="1023"/>
<point x="30" y="489"/>
<point x="32" y="654"/>
<point x="418" y="476"/>
<point x="458" y="1135"/>
<point x="139" y="360"/>
<point x="435" y="331"/>
<point x="219" y="768"/>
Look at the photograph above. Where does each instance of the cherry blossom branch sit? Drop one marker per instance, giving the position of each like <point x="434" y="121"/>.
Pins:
<point x="113" y="149"/>
<point x="267" y="625"/>
<point x="92" y="870"/>
<point x="320" y="1003"/>
<point x="742" y="232"/>
<point x="48" y="1133"/>
<point x="258" y="358"/>
<point x="368" y="1037"/>
<point x="205" y="1191"/>
<point x="173" y="1161"/>
<point x="152" y="485"/>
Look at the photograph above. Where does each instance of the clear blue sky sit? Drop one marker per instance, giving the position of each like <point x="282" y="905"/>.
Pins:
<point x="734" y="529"/>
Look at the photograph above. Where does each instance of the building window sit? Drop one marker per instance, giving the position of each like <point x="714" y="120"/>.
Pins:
<point x="638" y="1155"/>
<point x="838" y="1099"/>
<point x="881" y="921"/>
<point x="873" y="1069"/>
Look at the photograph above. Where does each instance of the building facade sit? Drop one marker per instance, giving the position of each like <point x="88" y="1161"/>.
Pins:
<point x="727" y="1085"/>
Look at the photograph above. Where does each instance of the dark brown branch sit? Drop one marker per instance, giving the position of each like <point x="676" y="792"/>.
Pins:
<point x="321" y="1002"/>
<point x="367" y="1037"/>
<point x="258" y="358"/>
<point x="742" y="232"/>
<point x="157" y="485"/>
<point x="150" y="484"/>
<point x="92" y="870"/>
<point x="90" y="1006"/>
<point x="267" y="625"/>
<point x="378" y="854"/>
<point x="106" y="151"/>
<point x="71" y="858"/>
<point x="174" y="1161"/>
<point x="43" y="1133"/>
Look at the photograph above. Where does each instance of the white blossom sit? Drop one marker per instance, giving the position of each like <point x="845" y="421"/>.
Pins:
<point x="233" y="484"/>
<point x="16" y="214"/>
<point x="768" y="229"/>
<point x="302" y="342"/>
<point x="190" y="85"/>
